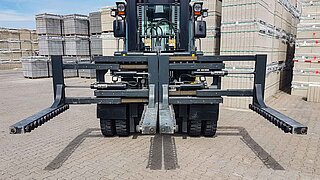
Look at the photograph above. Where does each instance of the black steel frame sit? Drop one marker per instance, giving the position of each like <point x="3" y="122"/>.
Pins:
<point x="158" y="68"/>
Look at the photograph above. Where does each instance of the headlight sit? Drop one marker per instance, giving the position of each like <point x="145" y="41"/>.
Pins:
<point x="197" y="7"/>
<point x="121" y="7"/>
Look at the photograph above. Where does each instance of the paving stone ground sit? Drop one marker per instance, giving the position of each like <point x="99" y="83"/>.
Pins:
<point x="71" y="146"/>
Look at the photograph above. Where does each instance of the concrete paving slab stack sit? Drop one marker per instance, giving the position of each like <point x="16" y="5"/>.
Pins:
<point x="306" y="74"/>
<point x="35" y="67"/>
<point x="110" y="44"/>
<point x="95" y="33"/>
<point x="69" y="73"/>
<point x="49" y="30"/>
<point x="76" y="34"/>
<point x="14" y="44"/>
<point x="251" y="27"/>
<point x="211" y="44"/>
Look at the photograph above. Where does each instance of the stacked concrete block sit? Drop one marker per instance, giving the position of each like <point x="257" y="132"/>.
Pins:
<point x="25" y="35"/>
<point x="314" y="93"/>
<point x="34" y="35"/>
<point x="49" y="24"/>
<point x="50" y="30"/>
<point x="258" y="27"/>
<point x="95" y="19"/>
<point x="306" y="74"/>
<point x="4" y="34"/>
<point x="4" y="56"/>
<point x="77" y="46"/>
<point x="96" y="45"/>
<point x="69" y="73"/>
<point x="76" y="35"/>
<point x="95" y="23"/>
<point x="51" y="45"/>
<point x="14" y="35"/>
<point x="110" y="44"/>
<point x="106" y="20"/>
<point x="35" y="67"/>
<point x="26" y="42"/>
<point x="35" y="47"/>
<point x="6" y="65"/>
<point x="4" y="45"/>
<point x="15" y="55"/>
<point x="76" y="24"/>
<point x="26" y="45"/>
<point x="15" y="43"/>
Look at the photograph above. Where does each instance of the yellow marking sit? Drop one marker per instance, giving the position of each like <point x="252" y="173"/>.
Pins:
<point x="133" y="100"/>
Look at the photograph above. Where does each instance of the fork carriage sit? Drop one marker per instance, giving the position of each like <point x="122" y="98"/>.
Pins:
<point x="167" y="94"/>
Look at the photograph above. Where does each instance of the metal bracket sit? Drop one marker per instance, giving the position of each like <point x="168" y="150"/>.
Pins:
<point x="167" y="120"/>
<point x="148" y="123"/>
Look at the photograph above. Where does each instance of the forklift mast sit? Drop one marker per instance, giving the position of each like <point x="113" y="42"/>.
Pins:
<point x="159" y="25"/>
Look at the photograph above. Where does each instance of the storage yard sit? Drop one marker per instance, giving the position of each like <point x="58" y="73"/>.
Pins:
<point x="72" y="147"/>
<point x="287" y="31"/>
<point x="245" y="146"/>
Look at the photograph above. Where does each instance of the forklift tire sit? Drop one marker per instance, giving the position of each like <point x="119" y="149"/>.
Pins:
<point x="122" y="128"/>
<point x="194" y="128"/>
<point x="107" y="127"/>
<point x="209" y="128"/>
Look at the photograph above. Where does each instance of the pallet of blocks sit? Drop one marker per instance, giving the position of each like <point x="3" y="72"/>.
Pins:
<point x="306" y="74"/>
<point x="34" y="67"/>
<point x="258" y="27"/>
<point x="49" y="31"/>
<point x="110" y="44"/>
<point x="95" y="33"/>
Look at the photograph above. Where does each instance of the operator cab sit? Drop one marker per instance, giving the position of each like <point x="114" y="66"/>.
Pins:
<point x="159" y="26"/>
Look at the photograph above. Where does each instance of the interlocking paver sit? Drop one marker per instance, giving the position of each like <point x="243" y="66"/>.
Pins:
<point x="246" y="147"/>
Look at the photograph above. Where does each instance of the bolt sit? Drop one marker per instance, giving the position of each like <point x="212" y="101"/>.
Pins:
<point x="13" y="130"/>
<point x="151" y="130"/>
<point x="304" y="131"/>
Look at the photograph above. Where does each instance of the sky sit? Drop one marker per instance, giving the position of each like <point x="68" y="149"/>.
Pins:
<point x="21" y="13"/>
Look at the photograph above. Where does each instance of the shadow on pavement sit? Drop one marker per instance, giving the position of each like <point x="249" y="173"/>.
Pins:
<point x="163" y="152"/>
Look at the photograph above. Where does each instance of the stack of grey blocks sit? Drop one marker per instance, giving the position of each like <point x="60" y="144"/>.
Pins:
<point x="50" y="45"/>
<point x="76" y="32"/>
<point x="96" y="45"/>
<point x="76" y="24"/>
<point x="49" y="24"/>
<point x="95" y="23"/>
<point x="36" y="67"/>
<point x="95" y="32"/>
<point x="69" y="73"/>
<point x="50" y="30"/>
<point x="71" y="37"/>
<point x="41" y="67"/>
<point x="77" y="46"/>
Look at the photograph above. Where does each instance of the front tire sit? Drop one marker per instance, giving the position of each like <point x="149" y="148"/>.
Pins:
<point x="194" y="128"/>
<point x="107" y="127"/>
<point x="122" y="128"/>
<point x="210" y="128"/>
